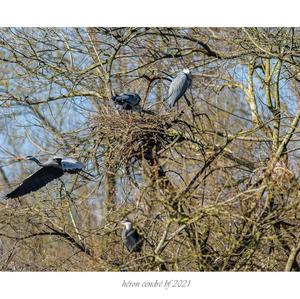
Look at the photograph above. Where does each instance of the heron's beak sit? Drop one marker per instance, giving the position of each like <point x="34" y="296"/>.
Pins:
<point x="20" y="158"/>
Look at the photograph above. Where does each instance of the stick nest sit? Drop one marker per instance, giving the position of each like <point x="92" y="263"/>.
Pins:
<point x="129" y="137"/>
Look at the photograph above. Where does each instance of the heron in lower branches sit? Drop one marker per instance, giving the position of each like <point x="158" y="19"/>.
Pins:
<point x="131" y="238"/>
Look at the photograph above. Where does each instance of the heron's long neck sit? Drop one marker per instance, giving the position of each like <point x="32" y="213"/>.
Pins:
<point x="128" y="226"/>
<point x="36" y="161"/>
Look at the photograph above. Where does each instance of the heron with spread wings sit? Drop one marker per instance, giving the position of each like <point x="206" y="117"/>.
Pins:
<point x="53" y="169"/>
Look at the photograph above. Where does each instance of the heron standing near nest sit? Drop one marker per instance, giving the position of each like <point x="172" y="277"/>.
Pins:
<point x="179" y="86"/>
<point x="128" y="101"/>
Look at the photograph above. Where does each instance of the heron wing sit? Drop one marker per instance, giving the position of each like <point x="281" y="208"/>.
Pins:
<point x="134" y="100"/>
<point x="129" y="98"/>
<point x="139" y="241"/>
<point x="71" y="165"/>
<point x="36" y="181"/>
<point x="120" y="99"/>
<point x="133" y="240"/>
<point x="177" y="88"/>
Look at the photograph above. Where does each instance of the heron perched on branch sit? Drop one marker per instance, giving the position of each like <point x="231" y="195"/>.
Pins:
<point x="53" y="169"/>
<point x="179" y="86"/>
<point x="131" y="238"/>
<point x="129" y="101"/>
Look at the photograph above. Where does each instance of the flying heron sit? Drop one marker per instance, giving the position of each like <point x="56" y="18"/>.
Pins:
<point x="131" y="238"/>
<point x="178" y="87"/>
<point x="53" y="169"/>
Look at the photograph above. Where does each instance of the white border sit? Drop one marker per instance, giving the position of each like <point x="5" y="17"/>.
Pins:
<point x="108" y="285"/>
<point x="149" y="13"/>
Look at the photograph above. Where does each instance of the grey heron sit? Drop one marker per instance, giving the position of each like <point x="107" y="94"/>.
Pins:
<point x="178" y="87"/>
<point x="131" y="238"/>
<point x="129" y="101"/>
<point x="53" y="169"/>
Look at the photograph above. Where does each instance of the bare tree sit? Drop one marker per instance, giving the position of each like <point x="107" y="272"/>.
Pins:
<point x="212" y="186"/>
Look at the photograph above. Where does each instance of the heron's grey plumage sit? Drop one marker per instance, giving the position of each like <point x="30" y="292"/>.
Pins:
<point x="71" y="165"/>
<point x="36" y="181"/>
<point x="131" y="238"/>
<point x="178" y="87"/>
<point x="127" y="101"/>
<point x="53" y="169"/>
